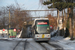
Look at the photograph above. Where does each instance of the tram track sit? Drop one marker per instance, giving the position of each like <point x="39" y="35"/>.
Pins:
<point x="24" y="46"/>
<point x="23" y="43"/>
<point x="57" y="47"/>
<point x="49" y="46"/>
<point x="43" y="46"/>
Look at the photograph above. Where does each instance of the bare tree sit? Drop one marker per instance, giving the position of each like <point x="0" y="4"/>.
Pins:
<point x="52" y="20"/>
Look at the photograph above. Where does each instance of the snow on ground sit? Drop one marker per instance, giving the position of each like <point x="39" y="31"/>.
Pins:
<point x="65" y="42"/>
<point x="9" y="45"/>
<point x="19" y="35"/>
<point x="6" y="45"/>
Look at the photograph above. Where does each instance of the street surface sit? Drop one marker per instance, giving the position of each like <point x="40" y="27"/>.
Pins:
<point x="55" y="43"/>
<point x="30" y="44"/>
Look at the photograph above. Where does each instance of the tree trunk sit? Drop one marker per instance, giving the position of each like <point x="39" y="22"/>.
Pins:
<point x="71" y="22"/>
<point x="58" y="22"/>
<point x="62" y="23"/>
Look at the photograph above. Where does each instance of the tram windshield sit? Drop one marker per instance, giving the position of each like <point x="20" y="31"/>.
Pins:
<point x="42" y="26"/>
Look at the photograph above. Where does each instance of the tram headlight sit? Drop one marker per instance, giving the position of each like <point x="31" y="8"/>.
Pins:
<point x="48" y="35"/>
<point x="37" y="35"/>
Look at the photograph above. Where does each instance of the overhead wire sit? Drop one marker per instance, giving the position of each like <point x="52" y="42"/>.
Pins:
<point x="33" y="6"/>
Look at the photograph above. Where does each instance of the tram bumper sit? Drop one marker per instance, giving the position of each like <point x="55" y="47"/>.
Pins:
<point x="42" y="37"/>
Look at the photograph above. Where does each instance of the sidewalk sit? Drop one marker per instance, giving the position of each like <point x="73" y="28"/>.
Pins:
<point x="65" y="42"/>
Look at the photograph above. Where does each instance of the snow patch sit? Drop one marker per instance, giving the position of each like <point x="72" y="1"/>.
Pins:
<point x="19" y="35"/>
<point x="66" y="43"/>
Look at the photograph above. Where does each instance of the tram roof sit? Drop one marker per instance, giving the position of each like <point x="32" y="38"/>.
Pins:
<point x="41" y="19"/>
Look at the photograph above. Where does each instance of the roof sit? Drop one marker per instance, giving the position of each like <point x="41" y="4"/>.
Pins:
<point x="41" y="19"/>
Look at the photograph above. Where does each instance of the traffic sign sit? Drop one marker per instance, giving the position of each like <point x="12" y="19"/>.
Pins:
<point x="3" y="29"/>
<point x="18" y="30"/>
<point x="51" y="27"/>
<point x="14" y="30"/>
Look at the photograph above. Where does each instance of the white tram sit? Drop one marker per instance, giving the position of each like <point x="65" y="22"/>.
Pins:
<point x="41" y="29"/>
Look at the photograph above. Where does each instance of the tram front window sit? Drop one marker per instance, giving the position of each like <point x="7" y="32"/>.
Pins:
<point x="42" y="27"/>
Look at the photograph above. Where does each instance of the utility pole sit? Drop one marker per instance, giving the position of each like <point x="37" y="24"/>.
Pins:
<point x="9" y="18"/>
<point x="48" y="0"/>
<point x="4" y="19"/>
<point x="9" y="21"/>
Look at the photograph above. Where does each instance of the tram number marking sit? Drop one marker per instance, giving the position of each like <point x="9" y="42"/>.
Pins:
<point x="43" y="36"/>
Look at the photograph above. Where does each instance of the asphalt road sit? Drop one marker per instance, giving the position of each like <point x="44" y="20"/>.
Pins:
<point x="30" y="44"/>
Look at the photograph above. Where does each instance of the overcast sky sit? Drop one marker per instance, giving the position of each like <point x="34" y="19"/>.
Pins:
<point x="28" y="5"/>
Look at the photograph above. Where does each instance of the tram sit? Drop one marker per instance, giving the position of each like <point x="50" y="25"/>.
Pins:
<point x="41" y="29"/>
<point x="12" y="33"/>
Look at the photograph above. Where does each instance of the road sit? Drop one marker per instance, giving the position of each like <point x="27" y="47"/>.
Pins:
<point x="27" y="44"/>
<point x="30" y="44"/>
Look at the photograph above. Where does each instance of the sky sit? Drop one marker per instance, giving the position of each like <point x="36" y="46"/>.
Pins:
<point x="28" y="5"/>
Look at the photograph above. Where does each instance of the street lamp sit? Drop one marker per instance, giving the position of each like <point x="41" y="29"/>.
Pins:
<point x="25" y="23"/>
<point x="9" y="22"/>
<point x="9" y="17"/>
